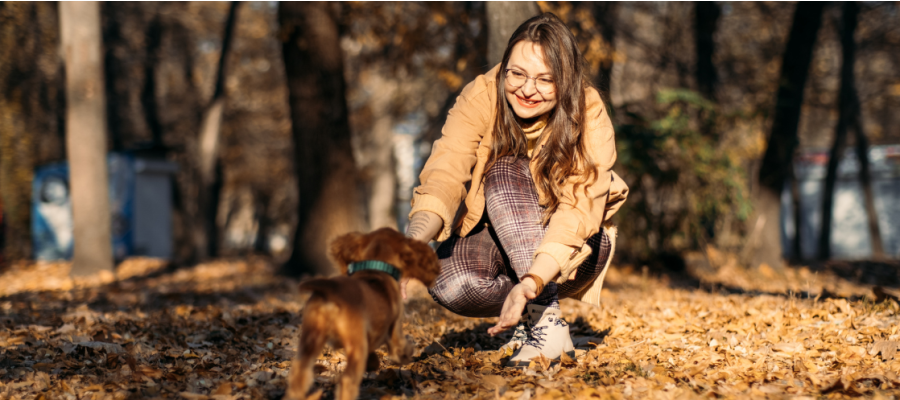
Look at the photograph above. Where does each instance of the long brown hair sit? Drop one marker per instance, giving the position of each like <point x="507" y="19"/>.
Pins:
<point x="564" y="156"/>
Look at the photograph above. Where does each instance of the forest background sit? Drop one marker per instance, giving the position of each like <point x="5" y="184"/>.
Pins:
<point x="710" y="101"/>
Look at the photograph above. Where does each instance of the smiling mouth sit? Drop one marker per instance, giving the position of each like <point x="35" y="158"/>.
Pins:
<point x="528" y="103"/>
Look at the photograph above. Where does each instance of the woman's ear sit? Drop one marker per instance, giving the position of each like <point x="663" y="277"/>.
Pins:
<point x="345" y="249"/>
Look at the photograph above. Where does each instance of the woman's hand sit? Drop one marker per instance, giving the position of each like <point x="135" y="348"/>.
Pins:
<point x="513" y="306"/>
<point x="403" y="281"/>
<point x="546" y="268"/>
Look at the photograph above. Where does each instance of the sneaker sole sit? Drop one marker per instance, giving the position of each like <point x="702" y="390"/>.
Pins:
<point x="525" y="364"/>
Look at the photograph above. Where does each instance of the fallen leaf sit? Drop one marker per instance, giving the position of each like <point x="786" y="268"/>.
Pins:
<point x="193" y="396"/>
<point x="567" y="361"/>
<point x="107" y="347"/>
<point x="887" y="348"/>
<point x="224" y="388"/>
<point x="493" y="381"/>
<point x="789" y="348"/>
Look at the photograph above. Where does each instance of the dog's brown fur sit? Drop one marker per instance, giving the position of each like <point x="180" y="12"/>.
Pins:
<point x="359" y="312"/>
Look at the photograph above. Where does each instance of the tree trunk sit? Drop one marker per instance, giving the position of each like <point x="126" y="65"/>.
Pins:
<point x="130" y="67"/>
<point x="706" y="15"/>
<point x="503" y="17"/>
<point x="328" y="203"/>
<point x="834" y="158"/>
<point x="31" y="100"/>
<point x="86" y="136"/>
<point x="796" y="250"/>
<point x="865" y="177"/>
<point x="605" y="13"/>
<point x="205" y="230"/>
<point x="783" y="139"/>
<point x="380" y="166"/>
<point x="849" y="118"/>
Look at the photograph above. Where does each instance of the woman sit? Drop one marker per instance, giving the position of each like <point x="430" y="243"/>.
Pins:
<point x="520" y="190"/>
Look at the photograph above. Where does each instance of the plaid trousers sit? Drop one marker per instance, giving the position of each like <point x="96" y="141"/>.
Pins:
<point x="479" y="270"/>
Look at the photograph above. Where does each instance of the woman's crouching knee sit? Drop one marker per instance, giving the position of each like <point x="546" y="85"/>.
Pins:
<point x="466" y="298"/>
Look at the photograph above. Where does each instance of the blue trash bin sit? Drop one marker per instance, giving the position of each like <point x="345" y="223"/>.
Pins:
<point x="145" y="220"/>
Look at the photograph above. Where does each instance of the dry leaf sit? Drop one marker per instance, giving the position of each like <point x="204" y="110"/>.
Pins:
<point x="567" y="361"/>
<point x="224" y="388"/>
<point x="543" y="361"/>
<point x="887" y="348"/>
<point x="107" y="347"/>
<point x="789" y="348"/>
<point x="493" y="381"/>
<point x="193" y="396"/>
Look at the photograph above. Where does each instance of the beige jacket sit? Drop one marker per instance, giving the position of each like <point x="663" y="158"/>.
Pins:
<point x="453" y="180"/>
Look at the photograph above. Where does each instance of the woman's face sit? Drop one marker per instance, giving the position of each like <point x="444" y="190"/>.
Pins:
<point x="528" y="58"/>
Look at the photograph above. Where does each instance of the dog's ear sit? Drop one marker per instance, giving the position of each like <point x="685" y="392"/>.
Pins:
<point x="420" y="262"/>
<point x="345" y="249"/>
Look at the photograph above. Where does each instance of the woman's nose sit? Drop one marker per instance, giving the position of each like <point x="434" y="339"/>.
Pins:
<point x="529" y="89"/>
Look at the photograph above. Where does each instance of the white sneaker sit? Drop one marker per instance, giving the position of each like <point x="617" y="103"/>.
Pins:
<point x="520" y="336"/>
<point x="548" y="334"/>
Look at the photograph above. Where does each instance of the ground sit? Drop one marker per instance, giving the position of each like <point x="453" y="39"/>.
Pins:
<point x="226" y="330"/>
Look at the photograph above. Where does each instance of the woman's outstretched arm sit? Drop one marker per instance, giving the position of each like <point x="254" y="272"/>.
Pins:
<point x="423" y="226"/>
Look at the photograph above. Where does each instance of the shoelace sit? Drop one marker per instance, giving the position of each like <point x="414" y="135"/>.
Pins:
<point x="521" y="333"/>
<point x="537" y="337"/>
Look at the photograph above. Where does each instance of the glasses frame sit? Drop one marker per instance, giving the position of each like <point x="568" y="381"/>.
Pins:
<point x="533" y="79"/>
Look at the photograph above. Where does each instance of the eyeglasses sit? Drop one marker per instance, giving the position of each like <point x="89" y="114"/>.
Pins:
<point x="518" y="79"/>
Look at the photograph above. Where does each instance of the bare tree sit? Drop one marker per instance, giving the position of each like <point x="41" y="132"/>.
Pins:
<point x="31" y="100"/>
<point x="79" y="25"/>
<point x="605" y="13"/>
<point x="205" y="230"/>
<point x="326" y="172"/>
<point x="778" y="158"/>
<point x="848" y="118"/>
<point x="706" y="16"/>
<point x="503" y="17"/>
<point x="865" y="176"/>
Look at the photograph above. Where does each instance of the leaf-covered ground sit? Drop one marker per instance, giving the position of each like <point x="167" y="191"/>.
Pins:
<point x="226" y="330"/>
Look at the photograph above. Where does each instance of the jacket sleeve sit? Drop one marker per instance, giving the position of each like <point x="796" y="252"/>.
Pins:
<point x="448" y="170"/>
<point x="582" y="212"/>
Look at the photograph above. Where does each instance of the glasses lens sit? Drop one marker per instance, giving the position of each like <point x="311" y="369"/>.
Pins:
<point x="544" y="86"/>
<point x="515" y="78"/>
<point x="518" y="79"/>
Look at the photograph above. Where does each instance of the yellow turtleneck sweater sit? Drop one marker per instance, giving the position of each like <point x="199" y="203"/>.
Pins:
<point x="534" y="131"/>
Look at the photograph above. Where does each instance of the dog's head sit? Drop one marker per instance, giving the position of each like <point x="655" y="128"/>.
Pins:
<point x="413" y="258"/>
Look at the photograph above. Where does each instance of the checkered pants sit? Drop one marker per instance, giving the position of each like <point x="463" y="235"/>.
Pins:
<point x="479" y="270"/>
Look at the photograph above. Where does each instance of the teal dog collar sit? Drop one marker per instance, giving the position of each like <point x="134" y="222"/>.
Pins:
<point x="374" y="265"/>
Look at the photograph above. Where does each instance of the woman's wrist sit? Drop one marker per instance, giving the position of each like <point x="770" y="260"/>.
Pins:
<point x="528" y="282"/>
<point x="534" y="282"/>
<point x="544" y="267"/>
<point x="424" y="226"/>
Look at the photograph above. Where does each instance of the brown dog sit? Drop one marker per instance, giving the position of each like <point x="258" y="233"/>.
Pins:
<point x="362" y="311"/>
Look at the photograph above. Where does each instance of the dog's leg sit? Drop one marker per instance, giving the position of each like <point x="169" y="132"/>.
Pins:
<point x="357" y="354"/>
<point x="312" y="340"/>
<point x="398" y="349"/>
